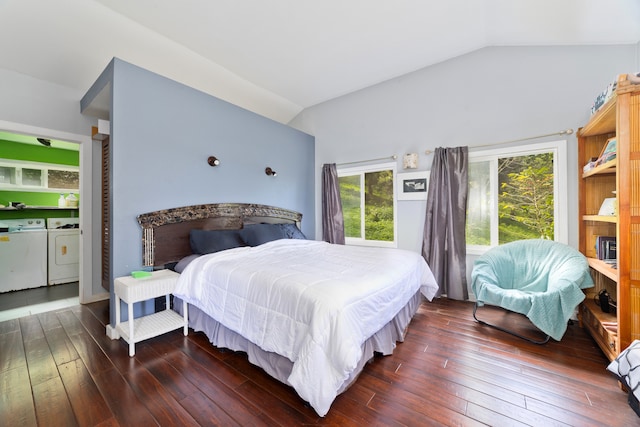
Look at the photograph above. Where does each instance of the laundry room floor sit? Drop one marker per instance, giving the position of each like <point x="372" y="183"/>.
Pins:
<point x="38" y="300"/>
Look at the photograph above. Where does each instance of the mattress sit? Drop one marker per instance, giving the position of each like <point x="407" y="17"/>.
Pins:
<point x="313" y="303"/>
<point x="279" y="367"/>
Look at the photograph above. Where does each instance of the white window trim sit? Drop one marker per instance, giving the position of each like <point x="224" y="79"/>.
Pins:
<point x="561" y="208"/>
<point x="356" y="241"/>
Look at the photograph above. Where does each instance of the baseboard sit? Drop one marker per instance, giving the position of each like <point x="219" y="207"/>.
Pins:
<point x="95" y="298"/>
<point x="112" y="333"/>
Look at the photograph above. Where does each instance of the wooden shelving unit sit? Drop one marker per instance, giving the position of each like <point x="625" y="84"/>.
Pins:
<point x="620" y="178"/>
<point x="599" y="324"/>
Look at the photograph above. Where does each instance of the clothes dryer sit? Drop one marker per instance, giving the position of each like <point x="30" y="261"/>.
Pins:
<point x="64" y="250"/>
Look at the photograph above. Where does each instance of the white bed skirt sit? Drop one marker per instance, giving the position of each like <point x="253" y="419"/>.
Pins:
<point x="383" y="342"/>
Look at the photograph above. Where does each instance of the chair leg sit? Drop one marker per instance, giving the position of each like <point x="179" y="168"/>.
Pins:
<point x="482" y="322"/>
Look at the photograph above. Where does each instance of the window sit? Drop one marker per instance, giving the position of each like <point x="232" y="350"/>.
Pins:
<point x="368" y="204"/>
<point x="514" y="195"/>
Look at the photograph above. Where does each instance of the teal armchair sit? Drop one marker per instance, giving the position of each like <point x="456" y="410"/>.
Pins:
<point x="540" y="279"/>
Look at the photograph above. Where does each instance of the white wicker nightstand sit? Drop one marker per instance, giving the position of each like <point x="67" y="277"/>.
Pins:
<point x="131" y="290"/>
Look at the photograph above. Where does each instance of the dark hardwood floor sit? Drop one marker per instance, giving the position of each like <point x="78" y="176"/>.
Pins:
<point x="26" y="297"/>
<point x="60" y="369"/>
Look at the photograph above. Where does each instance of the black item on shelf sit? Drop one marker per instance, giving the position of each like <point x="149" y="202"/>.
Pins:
<point x="603" y="298"/>
<point x="604" y="301"/>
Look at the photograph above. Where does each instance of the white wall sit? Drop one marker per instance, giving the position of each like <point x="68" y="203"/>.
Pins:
<point x="485" y="97"/>
<point x="38" y="103"/>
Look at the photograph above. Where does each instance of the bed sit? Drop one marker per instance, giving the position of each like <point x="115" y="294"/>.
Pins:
<point x="311" y="314"/>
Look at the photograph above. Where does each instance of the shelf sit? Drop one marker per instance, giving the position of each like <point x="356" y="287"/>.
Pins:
<point x="619" y="117"/>
<point x="609" y="167"/>
<point x="603" y="268"/>
<point x="132" y="290"/>
<point x="603" y="121"/>
<point x="152" y="325"/>
<point x="595" y="320"/>
<point x="38" y="208"/>
<point x="601" y="218"/>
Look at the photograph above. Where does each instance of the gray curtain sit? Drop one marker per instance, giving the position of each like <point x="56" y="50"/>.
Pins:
<point x="443" y="245"/>
<point x="332" y="220"/>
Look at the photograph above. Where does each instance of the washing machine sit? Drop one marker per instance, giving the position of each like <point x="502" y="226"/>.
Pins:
<point x="64" y="250"/>
<point x="23" y="254"/>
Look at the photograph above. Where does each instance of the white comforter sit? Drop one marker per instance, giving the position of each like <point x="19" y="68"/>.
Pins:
<point x="312" y="302"/>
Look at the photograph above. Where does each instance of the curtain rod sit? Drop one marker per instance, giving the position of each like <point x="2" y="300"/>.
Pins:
<point x="394" y="157"/>
<point x="562" y="132"/>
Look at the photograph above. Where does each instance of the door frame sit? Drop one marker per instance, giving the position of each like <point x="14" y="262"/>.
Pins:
<point x="85" y="292"/>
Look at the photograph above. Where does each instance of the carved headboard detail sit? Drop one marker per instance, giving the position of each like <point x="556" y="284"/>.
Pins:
<point x="165" y="233"/>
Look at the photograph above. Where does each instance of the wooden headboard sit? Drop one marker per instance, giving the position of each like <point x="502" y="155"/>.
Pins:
<point x="165" y="233"/>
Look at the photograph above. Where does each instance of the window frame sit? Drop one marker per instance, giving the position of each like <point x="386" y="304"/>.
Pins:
<point x="361" y="170"/>
<point x="560" y="210"/>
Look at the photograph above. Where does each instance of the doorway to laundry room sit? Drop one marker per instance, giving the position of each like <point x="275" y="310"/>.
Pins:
<point x="39" y="224"/>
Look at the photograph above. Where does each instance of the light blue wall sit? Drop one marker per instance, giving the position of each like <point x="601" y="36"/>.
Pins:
<point x="162" y="133"/>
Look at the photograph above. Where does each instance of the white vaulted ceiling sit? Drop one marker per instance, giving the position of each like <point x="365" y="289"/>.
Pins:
<point x="277" y="57"/>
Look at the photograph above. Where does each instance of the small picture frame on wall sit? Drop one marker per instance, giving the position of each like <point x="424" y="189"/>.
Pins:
<point x="413" y="185"/>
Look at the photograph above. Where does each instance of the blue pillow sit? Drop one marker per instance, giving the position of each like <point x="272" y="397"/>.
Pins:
<point x="210" y="241"/>
<point x="182" y="264"/>
<point x="257" y="234"/>
<point x="292" y="231"/>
